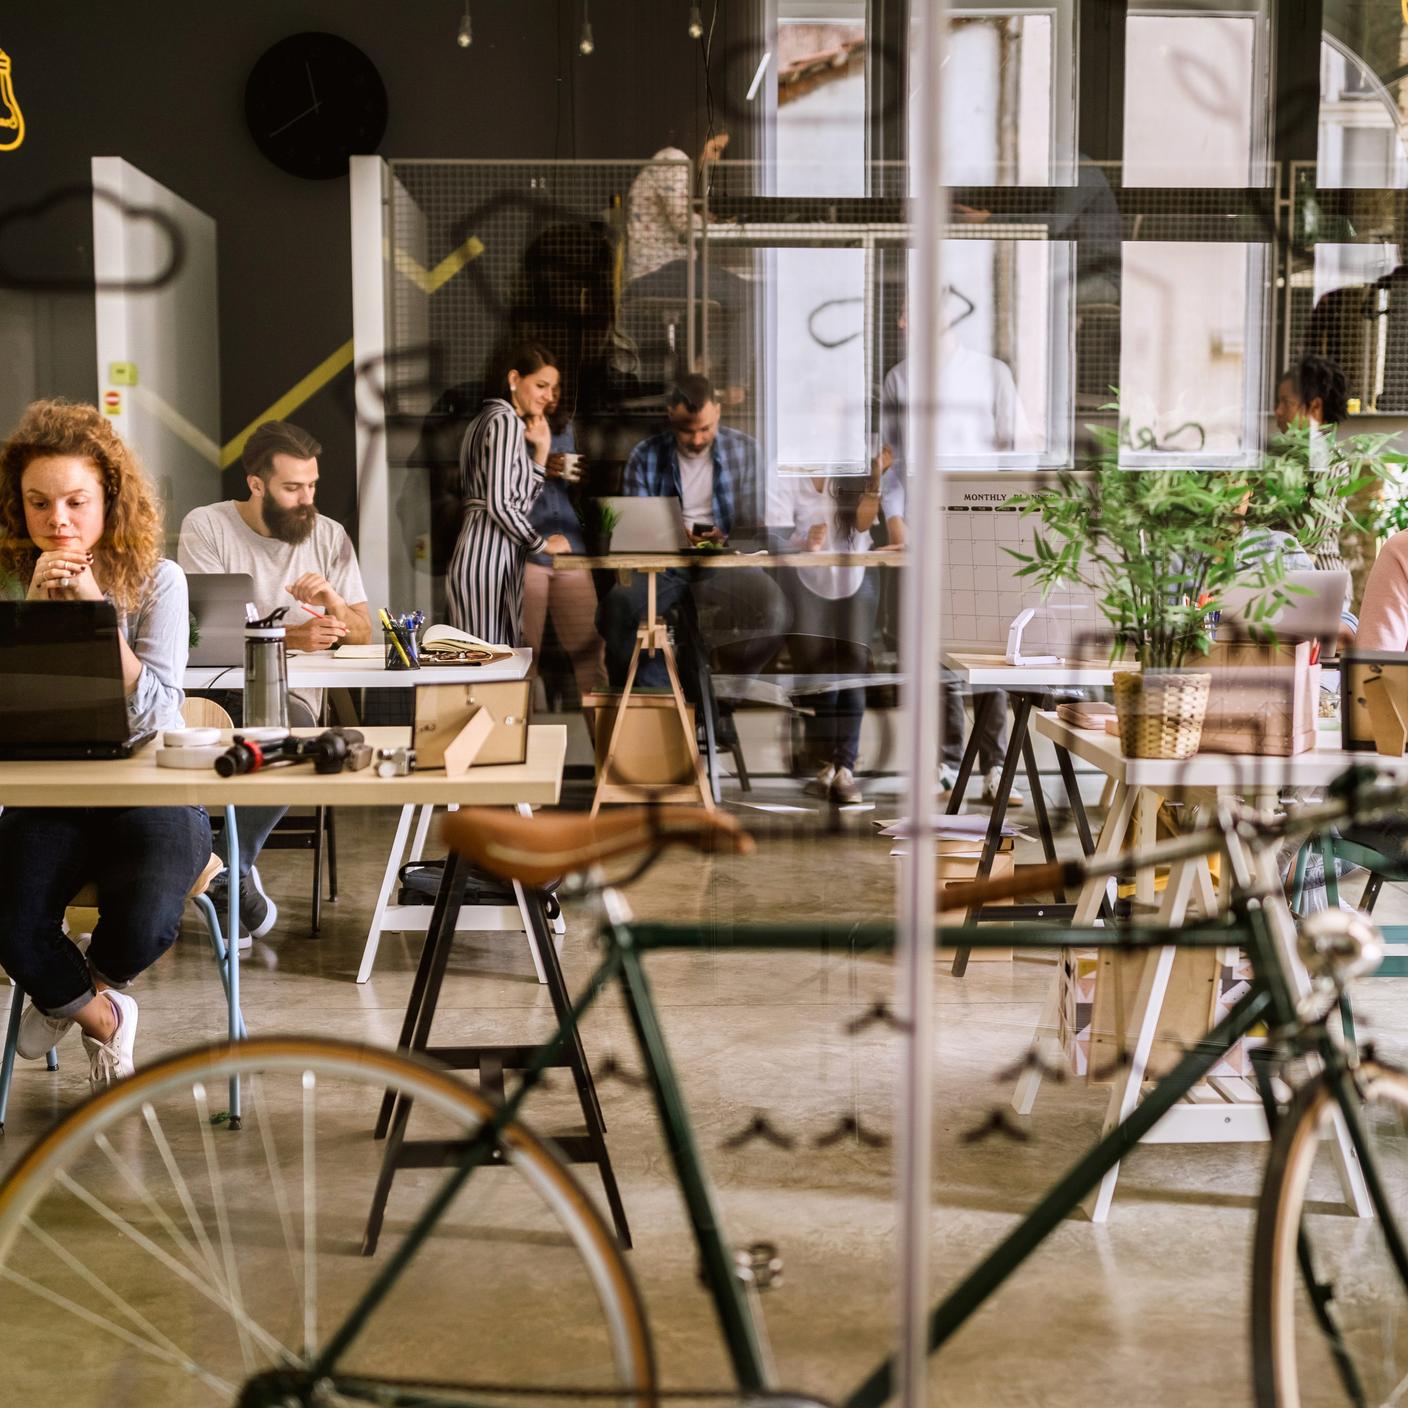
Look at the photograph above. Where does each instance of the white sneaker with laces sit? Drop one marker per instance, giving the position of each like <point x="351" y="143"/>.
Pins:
<point x="844" y="787"/>
<point x="38" y="1032"/>
<point x="992" y="782"/>
<point x="111" y="1060"/>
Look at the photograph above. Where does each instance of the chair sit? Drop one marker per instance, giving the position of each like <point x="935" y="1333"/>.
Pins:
<point x="82" y="911"/>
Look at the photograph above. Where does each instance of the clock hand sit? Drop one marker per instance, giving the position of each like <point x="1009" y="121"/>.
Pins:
<point x="292" y="120"/>
<point x="307" y="68"/>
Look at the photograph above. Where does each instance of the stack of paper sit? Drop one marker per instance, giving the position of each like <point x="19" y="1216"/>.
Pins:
<point x="956" y="835"/>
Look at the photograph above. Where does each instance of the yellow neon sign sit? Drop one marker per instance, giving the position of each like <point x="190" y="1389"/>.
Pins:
<point x="11" y="118"/>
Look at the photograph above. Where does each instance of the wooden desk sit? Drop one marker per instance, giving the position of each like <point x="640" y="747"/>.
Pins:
<point x="138" y="781"/>
<point x="322" y="669"/>
<point x="1228" y="1110"/>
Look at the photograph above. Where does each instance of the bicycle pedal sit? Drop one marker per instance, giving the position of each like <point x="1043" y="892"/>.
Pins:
<point x="759" y="1264"/>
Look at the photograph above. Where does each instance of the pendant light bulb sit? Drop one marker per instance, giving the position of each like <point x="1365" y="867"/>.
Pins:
<point x="696" y="23"/>
<point x="586" y="43"/>
<point x="465" y="37"/>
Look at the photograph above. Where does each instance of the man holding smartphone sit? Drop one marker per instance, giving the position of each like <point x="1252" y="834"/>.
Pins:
<point x="712" y="470"/>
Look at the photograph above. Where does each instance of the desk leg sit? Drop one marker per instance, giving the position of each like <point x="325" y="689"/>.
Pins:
<point x="388" y="881"/>
<point x="609" y="757"/>
<point x="1046" y="1043"/>
<point x="1148" y="1006"/>
<point x="232" y="948"/>
<point x="1021" y="714"/>
<point x="1073" y="797"/>
<point x="1043" y="818"/>
<point x="706" y="792"/>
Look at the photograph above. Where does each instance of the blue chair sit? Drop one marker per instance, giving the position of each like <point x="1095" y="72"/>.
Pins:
<point x="87" y="899"/>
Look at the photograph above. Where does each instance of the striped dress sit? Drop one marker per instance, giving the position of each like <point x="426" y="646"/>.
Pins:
<point x="499" y="481"/>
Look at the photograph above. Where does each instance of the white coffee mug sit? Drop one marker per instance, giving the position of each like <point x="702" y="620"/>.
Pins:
<point x="571" y="468"/>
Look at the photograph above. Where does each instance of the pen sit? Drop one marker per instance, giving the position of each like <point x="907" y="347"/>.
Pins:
<point x="395" y="638"/>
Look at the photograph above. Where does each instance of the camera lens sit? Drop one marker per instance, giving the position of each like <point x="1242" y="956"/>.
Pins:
<point x="238" y="758"/>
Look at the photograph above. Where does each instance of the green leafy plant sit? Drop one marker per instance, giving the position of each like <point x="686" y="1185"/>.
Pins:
<point x="1159" y="548"/>
<point x="1314" y="503"/>
<point x="606" y="519"/>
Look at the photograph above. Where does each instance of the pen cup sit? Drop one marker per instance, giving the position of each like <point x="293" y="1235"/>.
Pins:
<point x="401" y="653"/>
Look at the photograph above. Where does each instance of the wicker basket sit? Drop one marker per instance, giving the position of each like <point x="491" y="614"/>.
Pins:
<point x="1160" y="712"/>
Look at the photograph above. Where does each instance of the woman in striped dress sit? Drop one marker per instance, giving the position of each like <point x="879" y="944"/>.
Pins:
<point x="501" y="474"/>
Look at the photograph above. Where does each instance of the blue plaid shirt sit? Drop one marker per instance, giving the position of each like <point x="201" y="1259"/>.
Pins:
<point x="654" y="470"/>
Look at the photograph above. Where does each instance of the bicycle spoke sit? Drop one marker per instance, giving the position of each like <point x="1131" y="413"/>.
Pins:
<point x="310" y="1216"/>
<point x="118" y="1302"/>
<point x="100" y="1322"/>
<point x="222" y="1224"/>
<point x="254" y="1113"/>
<point x="140" y="1239"/>
<point x="183" y="1193"/>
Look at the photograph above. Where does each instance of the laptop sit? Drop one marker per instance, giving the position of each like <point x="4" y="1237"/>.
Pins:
<point x="647" y="524"/>
<point x="1312" y="616"/>
<point x="217" y="604"/>
<point x="61" y="693"/>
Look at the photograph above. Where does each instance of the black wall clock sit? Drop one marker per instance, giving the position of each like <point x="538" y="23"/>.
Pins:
<point x="312" y="101"/>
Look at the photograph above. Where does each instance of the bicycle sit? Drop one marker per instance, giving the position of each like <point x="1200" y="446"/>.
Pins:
<point x="142" y="1160"/>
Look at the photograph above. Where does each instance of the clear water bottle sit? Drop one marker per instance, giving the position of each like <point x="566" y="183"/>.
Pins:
<point x="265" y="673"/>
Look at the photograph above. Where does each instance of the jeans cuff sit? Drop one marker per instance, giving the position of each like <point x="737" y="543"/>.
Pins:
<point x="120" y="984"/>
<point x="69" y="1009"/>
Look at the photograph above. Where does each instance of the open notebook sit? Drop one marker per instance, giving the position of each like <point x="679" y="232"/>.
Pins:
<point x="440" y="645"/>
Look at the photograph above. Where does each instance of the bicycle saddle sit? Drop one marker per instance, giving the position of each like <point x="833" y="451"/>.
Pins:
<point x="536" y="850"/>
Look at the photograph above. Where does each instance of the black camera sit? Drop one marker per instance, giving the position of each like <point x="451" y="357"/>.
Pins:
<point x="333" y="750"/>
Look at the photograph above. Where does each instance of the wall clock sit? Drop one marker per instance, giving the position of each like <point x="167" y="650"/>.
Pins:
<point x="313" y="100"/>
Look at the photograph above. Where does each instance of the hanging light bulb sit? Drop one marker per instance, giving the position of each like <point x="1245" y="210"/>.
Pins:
<point x="586" y="43"/>
<point x="11" y="118"/>
<point x="465" y="37"/>
<point x="696" y="22"/>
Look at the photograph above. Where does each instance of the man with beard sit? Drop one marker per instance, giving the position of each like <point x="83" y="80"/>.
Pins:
<point x="293" y="556"/>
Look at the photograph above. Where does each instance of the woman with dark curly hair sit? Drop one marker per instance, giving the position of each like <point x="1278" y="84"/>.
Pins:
<point x="79" y="522"/>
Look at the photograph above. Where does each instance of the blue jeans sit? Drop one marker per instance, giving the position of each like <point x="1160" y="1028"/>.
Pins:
<point x="751" y="611"/>
<point x="143" y="861"/>
<point x="253" y="824"/>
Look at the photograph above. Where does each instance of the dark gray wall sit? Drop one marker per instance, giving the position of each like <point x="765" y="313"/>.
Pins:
<point x="161" y="83"/>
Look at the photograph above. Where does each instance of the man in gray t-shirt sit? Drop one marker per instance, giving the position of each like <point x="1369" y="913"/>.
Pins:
<point x="296" y="558"/>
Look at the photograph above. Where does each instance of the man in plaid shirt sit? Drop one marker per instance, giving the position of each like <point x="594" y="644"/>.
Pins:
<point x="714" y="473"/>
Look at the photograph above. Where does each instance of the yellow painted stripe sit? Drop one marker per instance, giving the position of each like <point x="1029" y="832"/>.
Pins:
<point x="291" y="400"/>
<point x="432" y="280"/>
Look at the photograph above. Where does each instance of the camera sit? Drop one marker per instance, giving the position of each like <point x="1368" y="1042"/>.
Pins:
<point x="333" y="750"/>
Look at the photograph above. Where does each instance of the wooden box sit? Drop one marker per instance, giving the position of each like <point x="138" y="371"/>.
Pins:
<point x="652" y="750"/>
<point x="1264" y="701"/>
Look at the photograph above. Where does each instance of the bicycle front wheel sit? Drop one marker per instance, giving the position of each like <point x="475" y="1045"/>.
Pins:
<point x="1329" y="1304"/>
<point x="143" y="1244"/>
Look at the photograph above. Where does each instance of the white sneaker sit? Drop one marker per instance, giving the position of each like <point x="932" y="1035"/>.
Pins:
<point x="992" y="782"/>
<point x="948" y="777"/>
<point x="845" y="790"/>
<point x="39" y="1032"/>
<point x="820" y="785"/>
<point x="111" y="1060"/>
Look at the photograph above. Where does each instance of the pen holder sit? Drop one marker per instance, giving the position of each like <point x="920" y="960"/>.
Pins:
<point x="401" y="652"/>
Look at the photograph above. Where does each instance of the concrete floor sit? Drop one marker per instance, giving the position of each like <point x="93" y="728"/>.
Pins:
<point x="1147" y="1309"/>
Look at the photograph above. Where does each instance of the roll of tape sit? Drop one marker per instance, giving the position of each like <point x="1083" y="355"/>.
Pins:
<point x="190" y="737"/>
<point x="190" y="758"/>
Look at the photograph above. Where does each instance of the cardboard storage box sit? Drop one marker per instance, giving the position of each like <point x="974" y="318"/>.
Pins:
<point x="959" y="865"/>
<point x="652" y="750"/>
<point x="1265" y="699"/>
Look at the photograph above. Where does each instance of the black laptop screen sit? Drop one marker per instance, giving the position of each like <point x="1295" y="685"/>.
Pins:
<point x="60" y="673"/>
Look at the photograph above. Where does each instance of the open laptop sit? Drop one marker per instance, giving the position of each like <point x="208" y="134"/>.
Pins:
<point x="217" y="603"/>
<point x="647" y="524"/>
<point x="1314" y="615"/>
<point x="61" y="693"/>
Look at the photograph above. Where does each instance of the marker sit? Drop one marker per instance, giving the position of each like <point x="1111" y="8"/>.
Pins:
<point x="308" y="606"/>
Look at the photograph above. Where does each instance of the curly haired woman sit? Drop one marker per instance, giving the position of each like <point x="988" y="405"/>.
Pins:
<point x="79" y="522"/>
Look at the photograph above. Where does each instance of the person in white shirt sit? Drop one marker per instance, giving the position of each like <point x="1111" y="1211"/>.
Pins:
<point x="834" y="611"/>
<point x="981" y="414"/>
<point x="296" y="558"/>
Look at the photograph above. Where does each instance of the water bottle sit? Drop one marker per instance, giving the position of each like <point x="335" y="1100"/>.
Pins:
<point x="265" y="673"/>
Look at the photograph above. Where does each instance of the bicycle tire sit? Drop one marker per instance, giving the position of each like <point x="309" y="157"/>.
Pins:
<point x="1294" y="1361"/>
<point x="149" y="1141"/>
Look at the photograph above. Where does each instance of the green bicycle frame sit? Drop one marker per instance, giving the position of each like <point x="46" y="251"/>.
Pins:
<point x="1268" y="999"/>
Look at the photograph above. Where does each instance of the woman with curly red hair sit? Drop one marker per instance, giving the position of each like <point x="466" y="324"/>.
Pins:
<point x="79" y="522"/>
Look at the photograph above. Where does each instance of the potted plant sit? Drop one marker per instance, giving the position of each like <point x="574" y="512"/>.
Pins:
<point x="598" y="526"/>
<point x="1159" y="548"/>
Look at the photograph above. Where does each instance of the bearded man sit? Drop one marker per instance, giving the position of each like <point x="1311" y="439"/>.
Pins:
<point x="295" y="558"/>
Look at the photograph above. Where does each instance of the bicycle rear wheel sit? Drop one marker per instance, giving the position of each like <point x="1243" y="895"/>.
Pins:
<point x="140" y="1243"/>
<point x="1329" y="1305"/>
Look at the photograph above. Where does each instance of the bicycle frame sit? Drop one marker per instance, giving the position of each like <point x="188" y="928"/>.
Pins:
<point x="1263" y="926"/>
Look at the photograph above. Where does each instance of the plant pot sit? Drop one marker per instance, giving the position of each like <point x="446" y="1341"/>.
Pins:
<point x="1161" y="712"/>
<point x="598" y="544"/>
